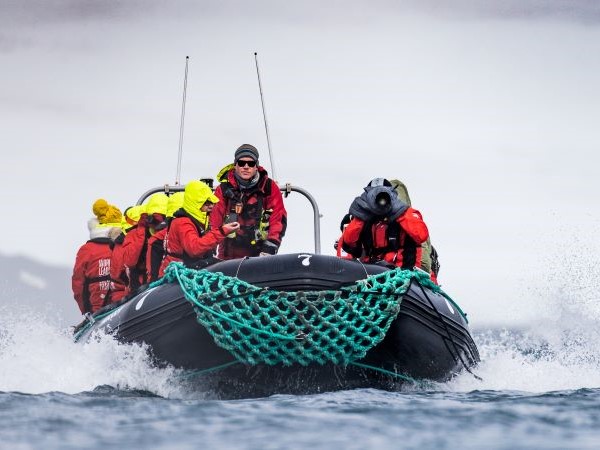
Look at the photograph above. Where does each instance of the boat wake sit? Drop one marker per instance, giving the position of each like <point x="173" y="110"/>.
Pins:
<point x="559" y="351"/>
<point x="534" y="360"/>
<point x="36" y="356"/>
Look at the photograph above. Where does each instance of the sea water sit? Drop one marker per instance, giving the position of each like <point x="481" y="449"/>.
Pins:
<point x="540" y="388"/>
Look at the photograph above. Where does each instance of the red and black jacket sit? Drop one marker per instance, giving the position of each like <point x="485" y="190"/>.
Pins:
<point x="134" y="254"/>
<point x="247" y="207"/>
<point x="155" y="254"/>
<point x="397" y="242"/>
<point x="118" y="273"/>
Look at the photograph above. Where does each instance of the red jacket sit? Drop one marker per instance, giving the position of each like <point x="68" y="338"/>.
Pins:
<point x="398" y="243"/>
<point x="118" y="274"/>
<point x="155" y="254"/>
<point x="134" y="254"/>
<point x="91" y="275"/>
<point x="187" y="241"/>
<point x="265" y="195"/>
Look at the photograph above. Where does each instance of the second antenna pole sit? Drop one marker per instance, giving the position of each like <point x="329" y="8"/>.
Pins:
<point x="262" y="101"/>
<point x="178" y="175"/>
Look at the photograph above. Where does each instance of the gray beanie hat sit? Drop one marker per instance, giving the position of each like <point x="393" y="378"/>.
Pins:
<point x="246" y="150"/>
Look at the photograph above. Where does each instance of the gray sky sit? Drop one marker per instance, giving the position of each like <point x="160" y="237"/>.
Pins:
<point x="487" y="110"/>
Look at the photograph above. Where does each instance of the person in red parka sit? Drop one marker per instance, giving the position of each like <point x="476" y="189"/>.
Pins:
<point x="189" y="238"/>
<point x="118" y="271"/>
<point x="248" y="196"/>
<point x="135" y="243"/>
<point x="383" y="228"/>
<point x="91" y="274"/>
<point x="156" y="245"/>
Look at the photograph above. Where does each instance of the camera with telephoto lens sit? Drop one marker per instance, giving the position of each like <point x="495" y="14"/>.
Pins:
<point x="379" y="199"/>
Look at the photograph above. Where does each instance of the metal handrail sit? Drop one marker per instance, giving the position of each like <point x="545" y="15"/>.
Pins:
<point x="286" y="189"/>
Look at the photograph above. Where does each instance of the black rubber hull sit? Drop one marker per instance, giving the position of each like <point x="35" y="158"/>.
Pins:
<point x="428" y="340"/>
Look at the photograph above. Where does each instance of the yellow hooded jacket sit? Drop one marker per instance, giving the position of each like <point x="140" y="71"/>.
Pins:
<point x="195" y="195"/>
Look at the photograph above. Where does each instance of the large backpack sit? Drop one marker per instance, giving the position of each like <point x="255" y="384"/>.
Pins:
<point x="429" y="256"/>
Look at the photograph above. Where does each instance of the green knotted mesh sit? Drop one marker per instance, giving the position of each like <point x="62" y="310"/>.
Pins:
<point x="260" y="325"/>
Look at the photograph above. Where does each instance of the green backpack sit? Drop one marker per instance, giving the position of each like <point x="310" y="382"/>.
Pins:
<point x="429" y="256"/>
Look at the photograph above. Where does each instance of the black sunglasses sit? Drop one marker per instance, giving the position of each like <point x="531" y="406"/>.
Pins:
<point x="246" y="163"/>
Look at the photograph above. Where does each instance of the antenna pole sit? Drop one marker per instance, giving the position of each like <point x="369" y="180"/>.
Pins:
<point x="262" y="101"/>
<point x="177" y="176"/>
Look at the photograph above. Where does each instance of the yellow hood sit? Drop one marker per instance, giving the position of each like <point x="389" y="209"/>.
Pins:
<point x="175" y="203"/>
<point x="157" y="203"/>
<point x="195" y="195"/>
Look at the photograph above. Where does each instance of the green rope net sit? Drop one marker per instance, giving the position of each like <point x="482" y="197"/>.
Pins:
<point x="260" y="325"/>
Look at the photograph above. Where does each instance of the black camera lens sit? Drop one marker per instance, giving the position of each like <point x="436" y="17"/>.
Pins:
<point x="383" y="199"/>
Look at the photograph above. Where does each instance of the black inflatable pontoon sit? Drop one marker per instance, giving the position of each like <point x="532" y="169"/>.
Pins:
<point x="429" y="339"/>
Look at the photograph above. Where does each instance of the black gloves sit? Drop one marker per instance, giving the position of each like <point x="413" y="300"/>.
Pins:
<point x="269" y="247"/>
<point x="345" y="221"/>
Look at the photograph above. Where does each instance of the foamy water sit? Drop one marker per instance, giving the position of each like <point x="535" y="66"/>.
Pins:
<point x="540" y="388"/>
<point x="37" y="357"/>
<point x="558" y="352"/>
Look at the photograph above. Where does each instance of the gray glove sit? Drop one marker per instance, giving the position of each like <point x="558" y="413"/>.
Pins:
<point x="378" y="202"/>
<point x="398" y="208"/>
<point x="360" y="208"/>
<point x="383" y="202"/>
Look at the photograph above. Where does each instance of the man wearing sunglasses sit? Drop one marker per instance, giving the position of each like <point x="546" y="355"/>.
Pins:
<point x="248" y="196"/>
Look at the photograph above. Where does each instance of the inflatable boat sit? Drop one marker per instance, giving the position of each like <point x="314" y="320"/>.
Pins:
<point x="294" y="324"/>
